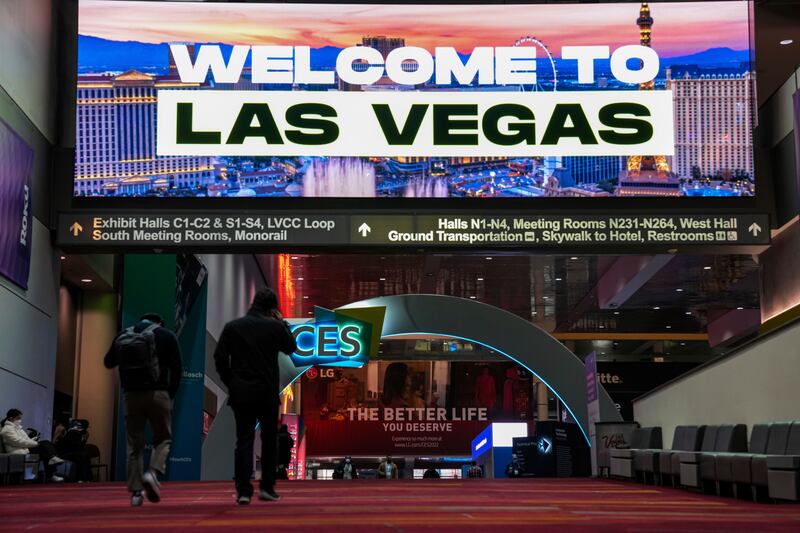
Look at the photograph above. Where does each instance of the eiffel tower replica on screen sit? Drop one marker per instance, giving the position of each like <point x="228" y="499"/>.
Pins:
<point x="641" y="169"/>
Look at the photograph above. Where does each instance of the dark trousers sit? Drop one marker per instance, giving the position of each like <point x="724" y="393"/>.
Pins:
<point x="142" y="407"/>
<point x="46" y="451"/>
<point x="246" y="417"/>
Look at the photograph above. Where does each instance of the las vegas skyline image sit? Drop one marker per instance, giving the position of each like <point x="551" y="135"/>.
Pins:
<point x="696" y="43"/>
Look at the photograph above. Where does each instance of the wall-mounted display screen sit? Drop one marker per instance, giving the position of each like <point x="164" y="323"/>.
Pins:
<point x="181" y="99"/>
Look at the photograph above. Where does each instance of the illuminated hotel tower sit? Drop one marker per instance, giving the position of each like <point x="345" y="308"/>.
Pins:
<point x="115" y="152"/>
<point x="638" y="163"/>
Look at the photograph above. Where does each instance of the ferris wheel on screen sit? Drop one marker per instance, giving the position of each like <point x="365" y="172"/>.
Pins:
<point x="533" y="41"/>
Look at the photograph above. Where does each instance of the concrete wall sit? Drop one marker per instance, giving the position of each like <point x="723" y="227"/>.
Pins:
<point x="95" y="386"/>
<point x="27" y="105"/>
<point x="28" y="338"/>
<point x="28" y="64"/>
<point x="68" y="302"/>
<point x="756" y="384"/>
<point x="777" y="150"/>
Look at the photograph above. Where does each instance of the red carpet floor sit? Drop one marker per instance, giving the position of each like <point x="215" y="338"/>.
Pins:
<point x="392" y="506"/>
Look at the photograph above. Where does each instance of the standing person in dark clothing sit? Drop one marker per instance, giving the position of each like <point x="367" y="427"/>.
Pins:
<point x="285" y="444"/>
<point x="150" y="371"/>
<point x="247" y="362"/>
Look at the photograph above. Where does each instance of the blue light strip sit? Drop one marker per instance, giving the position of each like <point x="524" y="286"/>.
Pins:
<point x="505" y="354"/>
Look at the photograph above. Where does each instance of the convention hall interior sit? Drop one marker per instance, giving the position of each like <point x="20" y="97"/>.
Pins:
<point x="622" y="386"/>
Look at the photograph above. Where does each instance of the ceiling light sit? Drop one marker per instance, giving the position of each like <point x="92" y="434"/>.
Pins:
<point x="480" y="279"/>
<point x="310" y="312"/>
<point x="706" y="268"/>
<point x="683" y="344"/>
<point x="786" y="41"/>
<point x="305" y="297"/>
<point x="602" y="327"/>
<point x="63" y="257"/>
<point x="574" y="258"/>
<point x="602" y="353"/>
<point x="472" y="297"/>
<point x="678" y="290"/>
<point x="299" y="279"/>
<point x="381" y="279"/>
<point x="545" y="297"/>
<point x="669" y="327"/>
<point x="616" y="312"/>
<point x="294" y="257"/>
<point x="558" y="279"/>
<point x="656" y="308"/>
<point x="688" y="312"/>
<point x="86" y="280"/>
<point x="489" y="258"/>
<point x="740" y="308"/>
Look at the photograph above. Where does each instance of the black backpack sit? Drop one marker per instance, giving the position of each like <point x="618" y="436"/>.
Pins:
<point x="138" y="361"/>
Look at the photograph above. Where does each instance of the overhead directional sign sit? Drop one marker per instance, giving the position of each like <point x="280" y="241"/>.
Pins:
<point x="519" y="231"/>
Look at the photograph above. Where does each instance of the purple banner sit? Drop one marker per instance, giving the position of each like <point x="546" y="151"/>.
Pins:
<point x="591" y="377"/>
<point x="16" y="203"/>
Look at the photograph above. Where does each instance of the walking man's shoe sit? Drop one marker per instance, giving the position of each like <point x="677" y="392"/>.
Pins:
<point x="151" y="486"/>
<point x="269" y="495"/>
<point x="137" y="499"/>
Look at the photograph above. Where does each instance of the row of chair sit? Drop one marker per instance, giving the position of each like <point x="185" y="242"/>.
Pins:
<point x="717" y="459"/>
<point x="13" y="467"/>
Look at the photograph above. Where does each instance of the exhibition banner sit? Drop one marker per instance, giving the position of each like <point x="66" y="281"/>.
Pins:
<point x="175" y="287"/>
<point x="16" y="206"/>
<point x="592" y="403"/>
<point x="410" y="407"/>
<point x="391" y="438"/>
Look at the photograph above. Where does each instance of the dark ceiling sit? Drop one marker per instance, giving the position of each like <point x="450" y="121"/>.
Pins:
<point x="557" y="293"/>
<point x="776" y="21"/>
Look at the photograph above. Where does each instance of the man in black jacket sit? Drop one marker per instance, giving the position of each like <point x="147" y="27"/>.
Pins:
<point x="148" y="395"/>
<point x="247" y="362"/>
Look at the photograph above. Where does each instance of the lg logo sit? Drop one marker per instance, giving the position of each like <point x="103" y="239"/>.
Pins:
<point x="314" y="373"/>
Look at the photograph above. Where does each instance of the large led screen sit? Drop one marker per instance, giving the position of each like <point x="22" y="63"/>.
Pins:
<point x="180" y="99"/>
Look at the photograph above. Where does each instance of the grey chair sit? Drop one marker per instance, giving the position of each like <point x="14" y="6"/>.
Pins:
<point x="716" y="468"/>
<point x="646" y="463"/>
<point x="12" y="465"/>
<point x="656" y="464"/>
<point x="783" y="472"/>
<point x="96" y="463"/>
<point x="622" y="458"/>
<point x="669" y="464"/>
<point x="727" y="438"/>
<point x="750" y="470"/>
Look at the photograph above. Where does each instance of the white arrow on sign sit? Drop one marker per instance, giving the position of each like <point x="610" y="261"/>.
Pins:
<point x="363" y="229"/>
<point x="754" y="229"/>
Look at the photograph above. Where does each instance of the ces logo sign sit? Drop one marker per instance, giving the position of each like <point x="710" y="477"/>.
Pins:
<point x="341" y="337"/>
